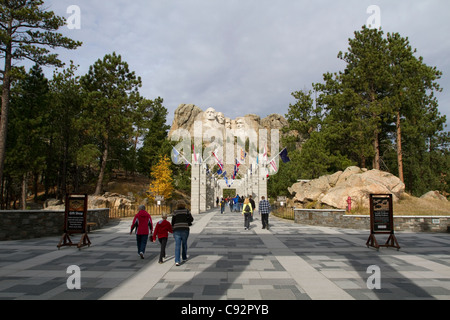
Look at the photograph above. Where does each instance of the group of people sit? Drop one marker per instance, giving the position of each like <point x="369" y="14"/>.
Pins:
<point x="247" y="206"/>
<point x="235" y="203"/>
<point x="181" y="221"/>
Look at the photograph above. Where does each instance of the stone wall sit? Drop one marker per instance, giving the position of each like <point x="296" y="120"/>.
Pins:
<point x="338" y="219"/>
<point x="18" y="225"/>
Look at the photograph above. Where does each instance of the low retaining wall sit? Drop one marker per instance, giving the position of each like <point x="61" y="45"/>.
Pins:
<point x="339" y="219"/>
<point x="18" y="225"/>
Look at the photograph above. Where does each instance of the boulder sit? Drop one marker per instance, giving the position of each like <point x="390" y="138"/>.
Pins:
<point x="333" y="190"/>
<point x="433" y="195"/>
<point x="110" y="200"/>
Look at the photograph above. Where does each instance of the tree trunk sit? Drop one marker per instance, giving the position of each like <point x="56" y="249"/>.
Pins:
<point x="376" y="146"/>
<point x="23" y="195"/>
<point x="5" y="106"/>
<point x="399" y="149"/>
<point x="99" y="188"/>
<point x="376" y="135"/>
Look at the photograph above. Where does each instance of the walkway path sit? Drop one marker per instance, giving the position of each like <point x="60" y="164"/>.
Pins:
<point x="288" y="262"/>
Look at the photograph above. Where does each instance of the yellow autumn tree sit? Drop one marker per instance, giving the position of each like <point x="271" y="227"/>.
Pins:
<point x="161" y="179"/>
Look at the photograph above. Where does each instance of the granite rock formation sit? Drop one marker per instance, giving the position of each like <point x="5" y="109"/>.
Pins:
<point x="333" y="190"/>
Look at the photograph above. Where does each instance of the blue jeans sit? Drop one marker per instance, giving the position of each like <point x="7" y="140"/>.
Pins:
<point x="181" y="237"/>
<point x="141" y="242"/>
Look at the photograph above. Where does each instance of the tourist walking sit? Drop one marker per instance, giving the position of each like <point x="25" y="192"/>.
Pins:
<point x="264" y="210"/>
<point x="241" y="203"/>
<point x="181" y="221"/>
<point x="162" y="230"/>
<point x="222" y="205"/>
<point x="236" y="203"/>
<point x="247" y="212"/>
<point x="252" y="203"/>
<point x="142" y="222"/>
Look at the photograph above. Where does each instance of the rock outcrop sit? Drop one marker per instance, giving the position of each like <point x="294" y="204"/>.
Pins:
<point x="333" y="190"/>
<point x="433" y="195"/>
<point x="187" y="114"/>
<point x="108" y="200"/>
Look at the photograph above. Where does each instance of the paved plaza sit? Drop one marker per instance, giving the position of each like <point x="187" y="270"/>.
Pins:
<point x="226" y="262"/>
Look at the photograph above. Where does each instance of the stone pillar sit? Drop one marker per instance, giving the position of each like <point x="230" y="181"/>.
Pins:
<point x="260" y="179"/>
<point x="195" y="189"/>
<point x="203" y="193"/>
<point x="249" y="183"/>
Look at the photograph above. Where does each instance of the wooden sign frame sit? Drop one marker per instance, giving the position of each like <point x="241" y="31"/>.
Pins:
<point x="75" y="220"/>
<point x="382" y="220"/>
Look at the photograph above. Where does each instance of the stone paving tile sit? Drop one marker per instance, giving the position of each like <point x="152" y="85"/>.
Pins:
<point x="227" y="262"/>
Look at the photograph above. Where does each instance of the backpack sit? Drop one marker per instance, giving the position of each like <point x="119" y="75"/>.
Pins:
<point x="247" y="209"/>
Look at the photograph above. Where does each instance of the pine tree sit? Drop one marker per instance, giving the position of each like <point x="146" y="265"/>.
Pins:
<point x="29" y="129"/>
<point x="384" y="100"/>
<point x="108" y="111"/>
<point x="26" y="31"/>
<point x="411" y="91"/>
<point x="154" y="131"/>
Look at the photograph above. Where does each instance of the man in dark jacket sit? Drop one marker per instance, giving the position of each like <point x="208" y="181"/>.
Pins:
<point x="181" y="221"/>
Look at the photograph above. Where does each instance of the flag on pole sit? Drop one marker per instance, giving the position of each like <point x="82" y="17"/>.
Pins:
<point x="237" y="163"/>
<point x="193" y="151"/>
<point x="175" y="155"/>
<point x="265" y="154"/>
<point x="284" y="156"/>
<point x="218" y="161"/>
<point x="243" y="155"/>
<point x="274" y="165"/>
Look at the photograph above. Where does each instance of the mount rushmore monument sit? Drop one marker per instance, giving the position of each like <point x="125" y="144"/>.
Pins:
<point x="213" y="131"/>
<point x="187" y="114"/>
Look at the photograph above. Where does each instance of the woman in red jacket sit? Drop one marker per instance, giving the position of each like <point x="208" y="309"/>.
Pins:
<point x="162" y="230"/>
<point x="142" y="222"/>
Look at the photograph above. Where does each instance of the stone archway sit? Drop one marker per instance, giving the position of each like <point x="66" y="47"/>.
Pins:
<point x="206" y="188"/>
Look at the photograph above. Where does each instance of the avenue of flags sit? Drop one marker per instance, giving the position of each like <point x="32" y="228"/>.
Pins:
<point x="197" y="159"/>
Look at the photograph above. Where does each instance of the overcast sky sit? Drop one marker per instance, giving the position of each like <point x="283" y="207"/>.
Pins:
<point x="245" y="56"/>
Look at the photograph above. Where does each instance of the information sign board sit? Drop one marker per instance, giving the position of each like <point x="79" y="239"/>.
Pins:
<point x="75" y="220"/>
<point x="382" y="213"/>
<point x="382" y="220"/>
<point x="76" y="214"/>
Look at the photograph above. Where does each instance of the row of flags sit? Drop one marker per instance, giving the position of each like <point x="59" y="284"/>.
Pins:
<point x="238" y="161"/>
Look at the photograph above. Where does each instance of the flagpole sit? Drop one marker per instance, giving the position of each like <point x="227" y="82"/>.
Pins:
<point x="182" y="156"/>
<point x="208" y="158"/>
